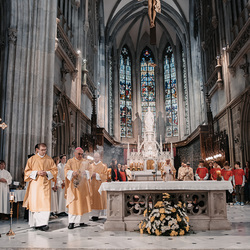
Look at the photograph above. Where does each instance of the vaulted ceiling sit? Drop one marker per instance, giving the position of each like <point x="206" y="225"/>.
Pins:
<point x="129" y="18"/>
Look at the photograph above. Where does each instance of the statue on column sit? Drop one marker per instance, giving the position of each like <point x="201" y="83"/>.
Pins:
<point x="149" y="121"/>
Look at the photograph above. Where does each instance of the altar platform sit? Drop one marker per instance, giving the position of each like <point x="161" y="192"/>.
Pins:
<point x="205" y="202"/>
<point x="94" y="237"/>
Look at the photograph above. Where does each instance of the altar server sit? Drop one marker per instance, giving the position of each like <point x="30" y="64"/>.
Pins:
<point x="201" y="172"/>
<point x="5" y="181"/>
<point x="238" y="183"/>
<point x="99" y="175"/>
<point x="54" y="197"/>
<point x="77" y="188"/>
<point x="215" y="171"/>
<point x="40" y="170"/>
<point x="61" y="185"/>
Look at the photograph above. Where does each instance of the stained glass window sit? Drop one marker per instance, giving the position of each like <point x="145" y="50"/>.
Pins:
<point x="125" y="94"/>
<point x="185" y="87"/>
<point x="171" y="103"/>
<point x="111" y="114"/>
<point x="147" y="83"/>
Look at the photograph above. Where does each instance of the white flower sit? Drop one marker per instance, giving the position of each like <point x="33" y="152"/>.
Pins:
<point x="148" y="224"/>
<point x="168" y="218"/>
<point x="155" y="211"/>
<point x="158" y="223"/>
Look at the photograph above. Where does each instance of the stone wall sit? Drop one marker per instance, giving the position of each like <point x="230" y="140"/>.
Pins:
<point x="111" y="152"/>
<point x="190" y="153"/>
<point x="236" y="121"/>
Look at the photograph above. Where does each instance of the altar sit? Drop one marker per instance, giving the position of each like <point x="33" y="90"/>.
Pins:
<point x="146" y="162"/>
<point x="205" y="202"/>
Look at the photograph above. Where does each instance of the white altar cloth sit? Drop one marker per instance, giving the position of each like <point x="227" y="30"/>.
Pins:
<point x="168" y="185"/>
<point x="19" y="195"/>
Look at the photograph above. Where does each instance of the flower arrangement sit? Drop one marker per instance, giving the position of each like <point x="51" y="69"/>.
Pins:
<point x="166" y="219"/>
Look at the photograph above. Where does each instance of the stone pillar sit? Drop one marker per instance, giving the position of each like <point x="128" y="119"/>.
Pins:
<point x="30" y="80"/>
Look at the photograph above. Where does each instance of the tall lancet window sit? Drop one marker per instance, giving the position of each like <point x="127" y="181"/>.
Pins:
<point x="147" y="83"/>
<point x="171" y="103"/>
<point x="125" y="94"/>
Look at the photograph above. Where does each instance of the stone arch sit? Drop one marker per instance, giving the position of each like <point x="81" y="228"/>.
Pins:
<point x="62" y="133"/>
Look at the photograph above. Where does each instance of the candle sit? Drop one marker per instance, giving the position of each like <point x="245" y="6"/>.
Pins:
<point x="63" y="116"/>
<point x="12" y="196"/>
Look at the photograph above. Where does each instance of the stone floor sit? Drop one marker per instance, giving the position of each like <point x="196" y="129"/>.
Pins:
<point x="94" y="237"/>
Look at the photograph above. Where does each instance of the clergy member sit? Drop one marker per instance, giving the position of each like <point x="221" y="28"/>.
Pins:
<point x="168" y="171"/>
<point x="77" y="188"/>
<point x="99" y="175"/>
<point x="5" y="181"/>
<point x="187" y="173"/>
<point x="61" y="185"/>
<point x="40" y="170"/>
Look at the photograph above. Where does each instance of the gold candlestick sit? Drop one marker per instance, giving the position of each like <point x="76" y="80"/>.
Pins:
<point x="11" y="233"/>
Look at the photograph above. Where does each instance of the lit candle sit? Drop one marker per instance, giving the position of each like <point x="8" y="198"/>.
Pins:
<point x="12" y="196"/>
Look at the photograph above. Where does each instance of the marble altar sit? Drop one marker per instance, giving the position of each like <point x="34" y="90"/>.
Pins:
<point x="205" y="201"/>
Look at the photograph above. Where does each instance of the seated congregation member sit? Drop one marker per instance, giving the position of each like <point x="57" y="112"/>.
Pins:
<point x="215" y="171"/>
<point x="123" y="173"/>
<point x="239" y="182"/>
<point x="98" y="176"/>
<point x="77" y="188"/>
<point x="54" y="197"/>
<point x="40" y="170"/>
<point x="115" y="173"/>
<point x="201" y="172"/>
<point x="227" y="175"/>
<point x="168" y="171"/>
<point x="61" y="186"/>
<point x="5" y="181"/>
<point x="187" y="173"/>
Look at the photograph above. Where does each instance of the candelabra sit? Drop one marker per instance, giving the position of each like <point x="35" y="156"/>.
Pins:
<point x="3" y="125"/>
<point x="11" y="233"/>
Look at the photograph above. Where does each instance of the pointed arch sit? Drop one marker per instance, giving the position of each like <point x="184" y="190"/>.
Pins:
<point x="125" y="93"/>
<point x="171" y="101"/>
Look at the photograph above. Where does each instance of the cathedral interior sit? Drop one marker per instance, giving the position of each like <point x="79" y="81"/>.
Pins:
<point x="84" y="72"/>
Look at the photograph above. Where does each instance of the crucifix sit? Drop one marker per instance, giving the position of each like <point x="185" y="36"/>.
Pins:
<point x="153" y="7"/>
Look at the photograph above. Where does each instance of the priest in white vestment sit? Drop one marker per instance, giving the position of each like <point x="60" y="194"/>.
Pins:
<point x="61" y="185"/>
<point x="5" y="181"/>
<point x="168" y="171"/>
<point x="39" y="171"/>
